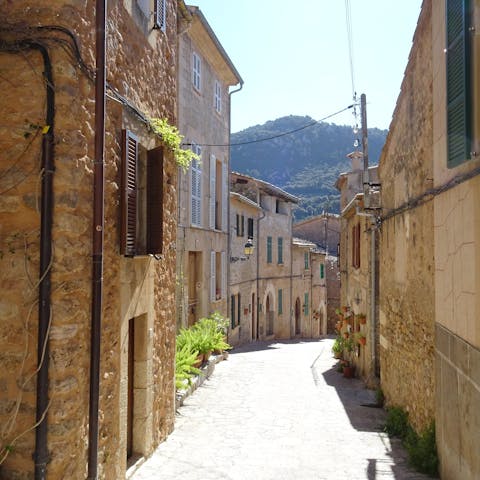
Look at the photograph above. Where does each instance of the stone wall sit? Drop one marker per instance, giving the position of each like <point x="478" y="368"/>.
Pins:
<point x="137" y="59"/>
<point x="407" y="309"/>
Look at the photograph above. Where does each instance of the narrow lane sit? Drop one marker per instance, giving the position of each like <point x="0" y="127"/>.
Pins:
<point x="279" y="411"/>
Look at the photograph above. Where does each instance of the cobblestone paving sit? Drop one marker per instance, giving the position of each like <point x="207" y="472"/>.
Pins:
<point x="279" y="411"/>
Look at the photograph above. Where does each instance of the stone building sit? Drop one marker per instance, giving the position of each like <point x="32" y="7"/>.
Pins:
<point x="429" y="289"/>
<point x="358" y="267"/>
<point x="205" y="74"/>
<point x="67" y="209"/>
<point x="273" y="244"/>
<point x="309" y="290"/>
<point x="243" y="279"/>
<point x="406" y="301"/>
<point x="324" y="231"/>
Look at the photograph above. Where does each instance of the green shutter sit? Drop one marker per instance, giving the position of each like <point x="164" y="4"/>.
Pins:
<point x="306" y="304"/>
<point x="305" y="256"/>
<point x="269" y="249"/>
<point x="232" y="311"/>
<point x="280" y="250"/>
<point x="280" y="301"/>
<point x="458" y="83"/>
<point x="322" y="270"/>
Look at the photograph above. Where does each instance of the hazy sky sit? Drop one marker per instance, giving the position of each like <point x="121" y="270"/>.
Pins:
<point x="294" y="57"/>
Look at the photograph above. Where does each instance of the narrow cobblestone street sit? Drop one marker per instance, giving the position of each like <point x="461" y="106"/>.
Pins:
<point x="279" y="411"/>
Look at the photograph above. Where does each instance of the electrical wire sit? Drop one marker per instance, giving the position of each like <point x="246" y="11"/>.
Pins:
<point x="265" y="139"/>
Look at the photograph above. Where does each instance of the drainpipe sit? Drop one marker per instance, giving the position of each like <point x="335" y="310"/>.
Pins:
<point x="98" y="224"/>
<point x="41" y="456"/>
<point x="229" y="240"/>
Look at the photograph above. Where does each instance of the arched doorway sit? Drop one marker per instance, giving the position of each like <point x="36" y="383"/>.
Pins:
<point x="298" y="312"/>
<point x="269" y="315"/>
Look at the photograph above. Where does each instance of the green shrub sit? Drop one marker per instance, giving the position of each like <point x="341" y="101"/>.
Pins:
<point x="421" y="448"/>
<point x="397" y="422"/>
<point x="337" y="346"/>
<point x="184" y="369"/>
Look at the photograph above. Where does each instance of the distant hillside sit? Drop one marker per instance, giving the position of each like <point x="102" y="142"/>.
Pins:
<point x="306" y="163"/>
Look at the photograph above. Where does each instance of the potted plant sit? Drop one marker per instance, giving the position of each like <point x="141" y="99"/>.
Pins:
<point x="361" y="338"/>
<point x="337" y="347"/>
<point x="362" y="318"/>
<point x="348" y="370"/>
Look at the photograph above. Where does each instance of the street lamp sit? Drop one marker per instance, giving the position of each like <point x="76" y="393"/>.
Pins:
<point x="248" y="249"/>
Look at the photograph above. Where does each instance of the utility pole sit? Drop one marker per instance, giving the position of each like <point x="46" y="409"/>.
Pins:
<point x="366" y="179"/>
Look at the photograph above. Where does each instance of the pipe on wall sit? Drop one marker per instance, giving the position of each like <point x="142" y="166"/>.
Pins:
<point x="41" y="455"/>
<point x="98" y="226"/>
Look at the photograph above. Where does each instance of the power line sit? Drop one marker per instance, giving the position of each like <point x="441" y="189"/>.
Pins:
<point x="290" y="132"/>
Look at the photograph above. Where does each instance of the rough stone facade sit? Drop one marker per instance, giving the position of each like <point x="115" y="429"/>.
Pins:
<point x="141" y="66"/>
<point x="407" y="306"/>
<point x="204" y="120"/>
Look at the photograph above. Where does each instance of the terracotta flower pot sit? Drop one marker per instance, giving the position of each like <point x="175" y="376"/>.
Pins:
<point x="362" y="340"/>
<point x="362" y="319"/>
<point x="346" y="334"/>
<point x="348" y="371"/>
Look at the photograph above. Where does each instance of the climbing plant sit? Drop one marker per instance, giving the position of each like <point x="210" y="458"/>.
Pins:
<point x="172" y="139"/>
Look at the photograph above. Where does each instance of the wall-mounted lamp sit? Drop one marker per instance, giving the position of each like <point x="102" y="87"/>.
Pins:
<point x="247" y="251"/>
<point x="248" y="248"/>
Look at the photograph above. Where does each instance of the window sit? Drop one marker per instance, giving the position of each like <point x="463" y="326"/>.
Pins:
<point x="306" y="260"/>
<point x="217" y="97"/>
<point x="196" y="72"/>
<point x="250" y="228"/>
<point x="277" y="206"/>
<point x="269" y="249"/>
<point x="160" y="21"/>
<point x="306" y="304"/>
<point x="459" y="121"/>
<point x="356" y="246"/>
<point x="280" y="301"/>
<point x="240" y="225"/>
<point x="218" y="194"/>
<point x="280" y="250"/>
<point x="322" y="270"/>
<point x="196" y="189"/>
<point x="142" y="198"/>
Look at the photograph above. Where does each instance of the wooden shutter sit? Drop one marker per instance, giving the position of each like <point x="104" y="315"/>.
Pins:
<point x="306" y="300"/>
<point x="232" y="311"/>
<point x="239" y="309"/>
<point x="128" y="204"/>
<point x="224" y="196"/>
<point x="280" y="250"/>
<point x="250" y="228"/>
<point x="155" y="201"/>
<point x="280" y="301"/>
<point x="458" y="82"/>
<point x="160" y="14"/>
<point x="322" y="270"/>
<point x="223" y="266"/>
<point x="213" y="199"/>
<point x="269" y="249"/>
<point x="196" y="191"/>
<point x="213" y="281"/>
<point x="242" y="226"/>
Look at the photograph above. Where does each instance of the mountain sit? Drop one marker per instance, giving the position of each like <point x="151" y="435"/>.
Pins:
<point x="305" y="163"/>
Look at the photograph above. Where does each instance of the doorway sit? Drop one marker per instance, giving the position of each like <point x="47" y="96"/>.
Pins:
<point x="269" y="315"/>
<point x="193" y="275"/>
<point x="298" y="312"/>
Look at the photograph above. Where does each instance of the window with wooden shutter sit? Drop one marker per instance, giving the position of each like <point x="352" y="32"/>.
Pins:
<point x="217" y="95"/>
<point x="213" y="196"/>
<point x="224" y="196"/>
<point x="239" y="308"/>
<point x="223" y="260"/>
<point x="196" y="190"/>
<point x="250" y="228"/>
<point x="356" y="246"/>
<point x="196" y="71"/>
<point x="128" y="233"/>
<point x="160" y="15"/>
<point x="306" y="306"/>
<point x="269" y="249"/>
<point x="280" y="250"/>
<point x="232" y="311"/>
<point x="322" y="270"/>
<point x="280" y="301"/>
<point x="306" y="260"/>
<point x="459" y="121"/>
<point x="155" y="201"/>
<point x="213" y="281"/>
